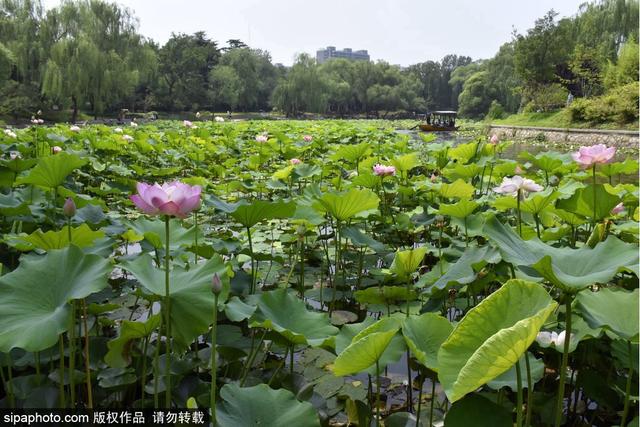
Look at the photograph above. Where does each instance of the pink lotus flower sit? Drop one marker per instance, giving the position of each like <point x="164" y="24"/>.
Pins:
<point x="172" y="199"/>
<point x="515" y="184"/>
<point x="295" y="161"/>
<point x="307" y="138"/>
<point x="56" y="149"/>
<point x="262" y="138"/>
<point x="589" y="156"/>
<point x="187" y="124"/>
<point x="494" y="139"/>
<point x="69" y="208"/>
<point x="617" y="209"/>
<point x="382" y="170"/>
<point x="434" y="178"/>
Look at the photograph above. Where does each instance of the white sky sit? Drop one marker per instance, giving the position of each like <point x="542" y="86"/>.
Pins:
<point x="398" y="31"/>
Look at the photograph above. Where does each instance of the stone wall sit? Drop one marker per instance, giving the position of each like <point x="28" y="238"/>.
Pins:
<point x="571" y="137"/>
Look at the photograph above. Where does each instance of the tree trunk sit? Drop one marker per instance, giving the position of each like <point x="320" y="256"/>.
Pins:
<point x="74" y="106"/>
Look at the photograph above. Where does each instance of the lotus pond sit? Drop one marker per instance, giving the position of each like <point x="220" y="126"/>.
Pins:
<point x="317" y="273"/>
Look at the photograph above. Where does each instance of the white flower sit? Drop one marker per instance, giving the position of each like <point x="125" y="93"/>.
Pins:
<point x="117" y="130"/>
<point x="219" y="119"/>
<point x="13" y="155"/>
<point x="198" y="114"/>
<point x="262" y="138"/>
<point x="127" y="138"/>
<point x="74" y="128"/>
<point x="10" y="133"/>
<point x="512" y="185"/>
<point x="187" y="124"/>
<point x="545" y="339"/>
<point x="134" y="125"/>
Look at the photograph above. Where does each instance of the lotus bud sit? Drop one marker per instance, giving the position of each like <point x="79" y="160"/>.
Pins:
<point x="69" y="208"/>
<point x="494" y="139"/>
<point x="434" y="178"/>
<point x="216" y="284"/>
<point x="56" y="149"/>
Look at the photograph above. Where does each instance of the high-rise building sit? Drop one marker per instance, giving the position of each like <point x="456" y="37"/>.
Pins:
<point x="323" y="55"/>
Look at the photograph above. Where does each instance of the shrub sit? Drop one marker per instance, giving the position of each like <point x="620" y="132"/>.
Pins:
<point x="619" y="105"/>
<point x="496" y="110"/>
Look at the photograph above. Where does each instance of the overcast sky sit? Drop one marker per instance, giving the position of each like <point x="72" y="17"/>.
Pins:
<point x="398" y="31"/>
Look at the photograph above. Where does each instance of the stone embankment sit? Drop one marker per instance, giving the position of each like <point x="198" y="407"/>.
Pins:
<point x="616" y="138"/>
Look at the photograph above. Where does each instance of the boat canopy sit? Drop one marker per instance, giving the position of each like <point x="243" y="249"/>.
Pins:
<point x="445" y="113"/>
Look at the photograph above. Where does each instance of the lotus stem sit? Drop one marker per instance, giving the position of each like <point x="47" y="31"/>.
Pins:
<point x="291" y="358"/>
<point x="519" y="213"/>
<point x="143" y="377"/>
<point x="12" y="397"/>
<point x="302" y="267"/>
<point x="61" y="373"/>
<point x="409" y="383"/>
<point x="167" y="366"/>
<point x="530" y="385"/>
<point x="156" y="367"/>
<point x="195" y="220"/>
<point x="72" y="354"/>
<point x="594" y="196"/>
<point x="253" y="268"/>
<point x="337" y="267"/>
<point x="214" y="368"/>
<point x="87" y="364"/>
<point x="419" y="403"/>
<point x="519" y="399"/>
<point x="565" y="359"/>
<point x="433" y="400"/>
<point x="377" y="393"/>
<point x="627" y="392"/>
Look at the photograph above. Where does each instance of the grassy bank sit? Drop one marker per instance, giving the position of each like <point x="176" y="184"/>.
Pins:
<point x="556" y="119"/>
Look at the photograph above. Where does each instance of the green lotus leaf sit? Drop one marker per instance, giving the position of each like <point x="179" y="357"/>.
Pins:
<point x="627" y="167"/>
<point x="287" y="315"/>
<point x="616" y="310"/>
<point x="533" y="204"/>
<point x="51" y="171"/>
<point x="405" y="263"/>
<point x="509" y="378"/>
<point x="358" y="238"/>
<point x="363" y="353"/>
<point x="13" y="205"/>
<point x="458" y="189"/>
<point x="492" y="337"/>
<point x="581" y="202"/>
<point x="283" y="174"/>
<point x="406" y="162"/>
<point x="351" y="153"/>
<point x="424" y="335"/>
<point x="477" y="411"/>
<point x="306" y="170"/>
<point x="262" y="405"/>
<point x="259" y="210"/>
<point x="81" y="236"/>
<point x="189" y="290"/>
<point x="366" y="180"/>
<point x="118" y="354"/>
<point x="569" y="269"/>
<point x="464" y="152"/>
<point x="464" y="172"/>
<point x="548" y="161"/>
<point x="154" y="232"/>
<point x="465" y="269"/>
<point x="34" y="298"/>
<point x="461" y="209"/>
<point x="344" y="206"/>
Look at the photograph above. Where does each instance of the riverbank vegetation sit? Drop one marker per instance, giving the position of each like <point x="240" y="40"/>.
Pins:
<point x="58" y="61"/>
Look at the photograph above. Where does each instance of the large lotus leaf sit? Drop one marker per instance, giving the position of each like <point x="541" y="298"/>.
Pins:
<point x="260" y="210"/>
<point x="478" y="411"/>
<point x="464" y="152"/>
<point x="189" y="290"/>
<point x="51" y="171"/>
<point x="547" y="161"/>
<point x="533" y="204"/>
<point x="457" y="189"/>
<point x="305" y="170"/>
<point x="344" y="206"/>
<point x="81" y="236"/>
<point x="581" y="202"/>
<point x="465" y="269"/>
<point x="351" y="152"/>
<point x="287" y="315"/>
<point x="118" y="354"/>
<point x="263" y="406"/>
<point x="358" y="238"/>
<point x="405" y="263"/>
<point x="492" y="336"/>
<point x="509" y="378"/>
<point x="34" y="298"/>
<point x="616" y="310"/>
<point x="12" y="205"/>
<point x="628" y="167"/>
<point x="424" y="335"/>
<point x="570" y="269"/>
<point x="461" y="209"/>
<point x="363" y="353"/>
<point x="464" y="172"/>
<point x="406" y="162"/>
<point x="154" y="232"/>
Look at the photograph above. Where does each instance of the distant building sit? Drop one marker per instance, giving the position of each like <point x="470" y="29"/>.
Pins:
<point x="323" y="55"/>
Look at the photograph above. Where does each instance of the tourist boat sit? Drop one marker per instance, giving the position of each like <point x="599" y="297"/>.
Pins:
<point x="440" y="121"/>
